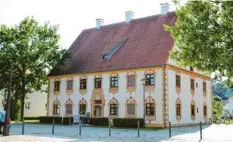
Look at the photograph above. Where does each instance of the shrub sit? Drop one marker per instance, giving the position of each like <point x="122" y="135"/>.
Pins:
<point x="217" y="110"/>
<point x="32" y="118"/>
<point x="67" y="119"/>
<point x="49" y="119"/>
<point x="15" y="109"/>
<point x="128" y="123"/>
<point x="99" y="121"/>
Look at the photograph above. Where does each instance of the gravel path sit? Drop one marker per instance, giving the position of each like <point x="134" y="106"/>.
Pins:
<point x="42" y="133"/>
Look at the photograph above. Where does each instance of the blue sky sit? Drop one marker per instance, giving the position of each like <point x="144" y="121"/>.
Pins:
<point x="73" y="16"/>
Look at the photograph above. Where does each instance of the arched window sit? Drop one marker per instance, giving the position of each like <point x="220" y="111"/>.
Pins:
<point x="56" y="107"/>
<point x="69" y="107"/>
<point x="178" y="109"/>
<point x="113" y="108"/>
<point x="131" y="105"/>
<point x="205" y="110"/>
<point x="192" y="109"/>
<point x="82" y="107"/>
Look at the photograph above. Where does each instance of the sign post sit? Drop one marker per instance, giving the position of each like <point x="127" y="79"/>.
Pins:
<point x="76" y="118"/>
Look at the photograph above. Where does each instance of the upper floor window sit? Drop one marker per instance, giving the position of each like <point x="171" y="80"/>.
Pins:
<point x="57" y="85"/>
<point x="131" y="80"/>
<point x="204" y="87"/>
<point x="97" y="82"/>
<point x="178" y="81"/>
<point x="192" y="110"/>
<point x="83" y="83"/>
<point x="192" y="84"/>
<point x="150" y="79"/>
<point x="150" y="109"/>
<point x="114" y="82"/>
<point x="69" y="85"/>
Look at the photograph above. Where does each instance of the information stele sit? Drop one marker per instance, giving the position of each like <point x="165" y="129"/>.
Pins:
<point x="76" y="118"/>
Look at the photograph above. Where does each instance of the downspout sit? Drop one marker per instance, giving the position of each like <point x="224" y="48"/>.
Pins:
<point x="164" y="95"/>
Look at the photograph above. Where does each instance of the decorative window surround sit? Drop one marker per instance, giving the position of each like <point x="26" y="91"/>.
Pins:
<point x="112" y="89"/>
<point x="82" y="102"/>
<point x="193" y="110"/>
<point x="130" y="101"/>
<point x="178" y="109"/>
<point x="111" y="102"/>
<point x="69" y="91"/>
<point x="131" y="88"/>
<point x="150" y="100"/>
<point x="56" y="107"/>
<point x="150" y="88"/>
<point x="101" y="82"/>
<point x="57" y="86"/>
<point x="82" y="91"/>
<point x="69" y="102"/>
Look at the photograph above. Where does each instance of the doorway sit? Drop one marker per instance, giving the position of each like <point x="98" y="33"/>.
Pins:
<point x="97" y="111"/>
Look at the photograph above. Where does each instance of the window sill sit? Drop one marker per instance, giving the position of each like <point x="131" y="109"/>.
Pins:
<point x="204" y="94"/>
<point x="56" y="115"/>
<point x="68" y="115"/>
<point x="82" y="91"/>
<point x="192" y="92"/>
<point x="69" y="92"/>
<point x="150" y="88"/>
<point x="113" y="116"/>
<point x="178" y="117"/>
<point x="131" y="89"/>
<point x="113" y="90"/>
<point x="56" y="92"/>
<point x="178" y="89"/>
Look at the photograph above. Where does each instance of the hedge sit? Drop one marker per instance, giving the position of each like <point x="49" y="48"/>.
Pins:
<point x="128" y="122"/>
<point x="99" y="121"/>
<point x="49" y="119"/>
<point x="32" y="118"/>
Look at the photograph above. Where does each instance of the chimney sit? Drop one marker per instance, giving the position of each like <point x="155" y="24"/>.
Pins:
<point x="164" y="8"/>
<point x="99" y="23"/>
<point x="128" y="16"/>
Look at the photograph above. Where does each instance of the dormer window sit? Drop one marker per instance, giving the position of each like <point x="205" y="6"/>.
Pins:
<point x="105" y="57"/>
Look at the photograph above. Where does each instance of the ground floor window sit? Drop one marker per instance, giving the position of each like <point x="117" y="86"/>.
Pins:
<point x="113" y="109"/>
<point x="193" y="110"/>
<point x="56" y="109"/>
<point x="69" y="108"/>
<point x="82" y="109"/>
<point x="150" y="109"/>
<point x="205" y="110"/>
<point x="131" y="109"/>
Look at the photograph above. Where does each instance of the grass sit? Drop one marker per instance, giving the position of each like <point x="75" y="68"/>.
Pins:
<point x="26" y="121"/>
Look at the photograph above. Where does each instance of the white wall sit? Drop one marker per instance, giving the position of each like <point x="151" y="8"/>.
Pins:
<point x="186" y="98"/>
<point x="121" y="96"/>
<point x="229" y="105"/>
<point x="38" y="101"/>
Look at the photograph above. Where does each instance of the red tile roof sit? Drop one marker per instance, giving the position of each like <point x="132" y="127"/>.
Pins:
<point x="148" y="45"/>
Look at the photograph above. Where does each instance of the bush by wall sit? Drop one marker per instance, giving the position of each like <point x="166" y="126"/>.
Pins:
<point x="49" y="119"/>
<point x="99" y="121"/>
<point x="32" y="118"/>
<point x="68" y="120"/>
<point x="128" y="122"/>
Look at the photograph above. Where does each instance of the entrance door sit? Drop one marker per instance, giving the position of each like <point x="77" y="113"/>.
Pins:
<point x="98" y="111"/>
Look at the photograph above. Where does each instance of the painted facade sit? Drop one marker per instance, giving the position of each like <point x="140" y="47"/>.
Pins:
<point x="165" y="85"/>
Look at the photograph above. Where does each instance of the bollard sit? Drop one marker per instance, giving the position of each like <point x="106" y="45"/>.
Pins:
<point x="170" y="130"/>
<point x="53" y="127"/>
<point x="109" y="125"/>
<point x="23" y="127"/>
<point x="69" y="121"/>
<point x="138" y="128"/>
<point x="200" y="131"/>
<point x="80" y="129"/>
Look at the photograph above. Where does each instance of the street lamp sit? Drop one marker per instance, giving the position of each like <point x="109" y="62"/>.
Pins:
<point x="144" y="81"/>
<point x="6" y="128"/>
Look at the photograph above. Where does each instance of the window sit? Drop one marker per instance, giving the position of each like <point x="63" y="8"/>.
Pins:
<point x="57" y="86"/>
<point x="82" y="109"/>
<point x="113" y="109"/>
<point x="178" y="110"/>
<point x="204" y="87"/>
<point x="192" y="84"/>
<point x="150" y="80"/>
<point x="131" y="81"/>
<point x="114" y="82"/>
<point x="178" y="81"/>
<point x="105" y="57"/>
<point x="150" y="109"/>
<point x="97" y="82"/>
<point x="56" y="109"/>
<point x="193" y="110"/>
<point x="205" y="110"/>
<point x="28" y="105"/>
<point x="69" y="85"/>
<point x="131" y="109"/>
<point x="83" y="83"/>
<point x="69" y="108"/>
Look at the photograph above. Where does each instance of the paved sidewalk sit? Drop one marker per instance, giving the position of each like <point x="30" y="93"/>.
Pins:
<point x="41" y="132"/>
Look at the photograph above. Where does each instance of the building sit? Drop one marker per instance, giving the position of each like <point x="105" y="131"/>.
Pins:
<point x="113" y="65"/>
<point x="229" y="105"/>
<point x="36" y="104"/>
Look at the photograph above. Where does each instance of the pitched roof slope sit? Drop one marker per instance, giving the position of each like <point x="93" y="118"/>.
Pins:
<point x="148" y="44"/>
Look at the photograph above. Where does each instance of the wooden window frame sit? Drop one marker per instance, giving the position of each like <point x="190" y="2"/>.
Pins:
<point x="82" y="109"/>
<point x="114" y="83"/>
<point x="115" y="107"/>
<point x="192" y="86"/>
<point x="148" y="79"/>
<point x="56" y="110"/>
<point x="83" y="84"/>
<point x="178" y="109"/>
<point x="150" y="108"/>
<point x="57" y="86"/>
<point x="98" y="83"/>
<point x="193" y="110"/>
<point x="56" y="102"/>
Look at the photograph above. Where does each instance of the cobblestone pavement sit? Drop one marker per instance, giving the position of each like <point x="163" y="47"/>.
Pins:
<point x="42" y="133"/>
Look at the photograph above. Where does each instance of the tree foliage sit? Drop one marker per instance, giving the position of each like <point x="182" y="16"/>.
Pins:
<point x="219" y="89"/>
<point x="33" y="50"/>
<point x="203" y="36"/>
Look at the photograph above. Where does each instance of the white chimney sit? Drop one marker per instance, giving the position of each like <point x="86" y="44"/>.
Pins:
<point x="164" y="8"/>
<point x="128" y="16"/>
<point x="99" y="23"/>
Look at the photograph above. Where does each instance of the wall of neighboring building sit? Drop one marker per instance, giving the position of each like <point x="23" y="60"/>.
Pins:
<point x="185" y="96"/>
<point x="121" y="96"/>
<point x="230" y="104"/>
<point x="35" y="104"/>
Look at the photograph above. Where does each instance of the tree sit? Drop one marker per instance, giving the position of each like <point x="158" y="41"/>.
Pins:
<point x="217" y="109"/>
<point x="219" y="89"/>
<point x="33" y="51"/>
<point x="203" y="36"/>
